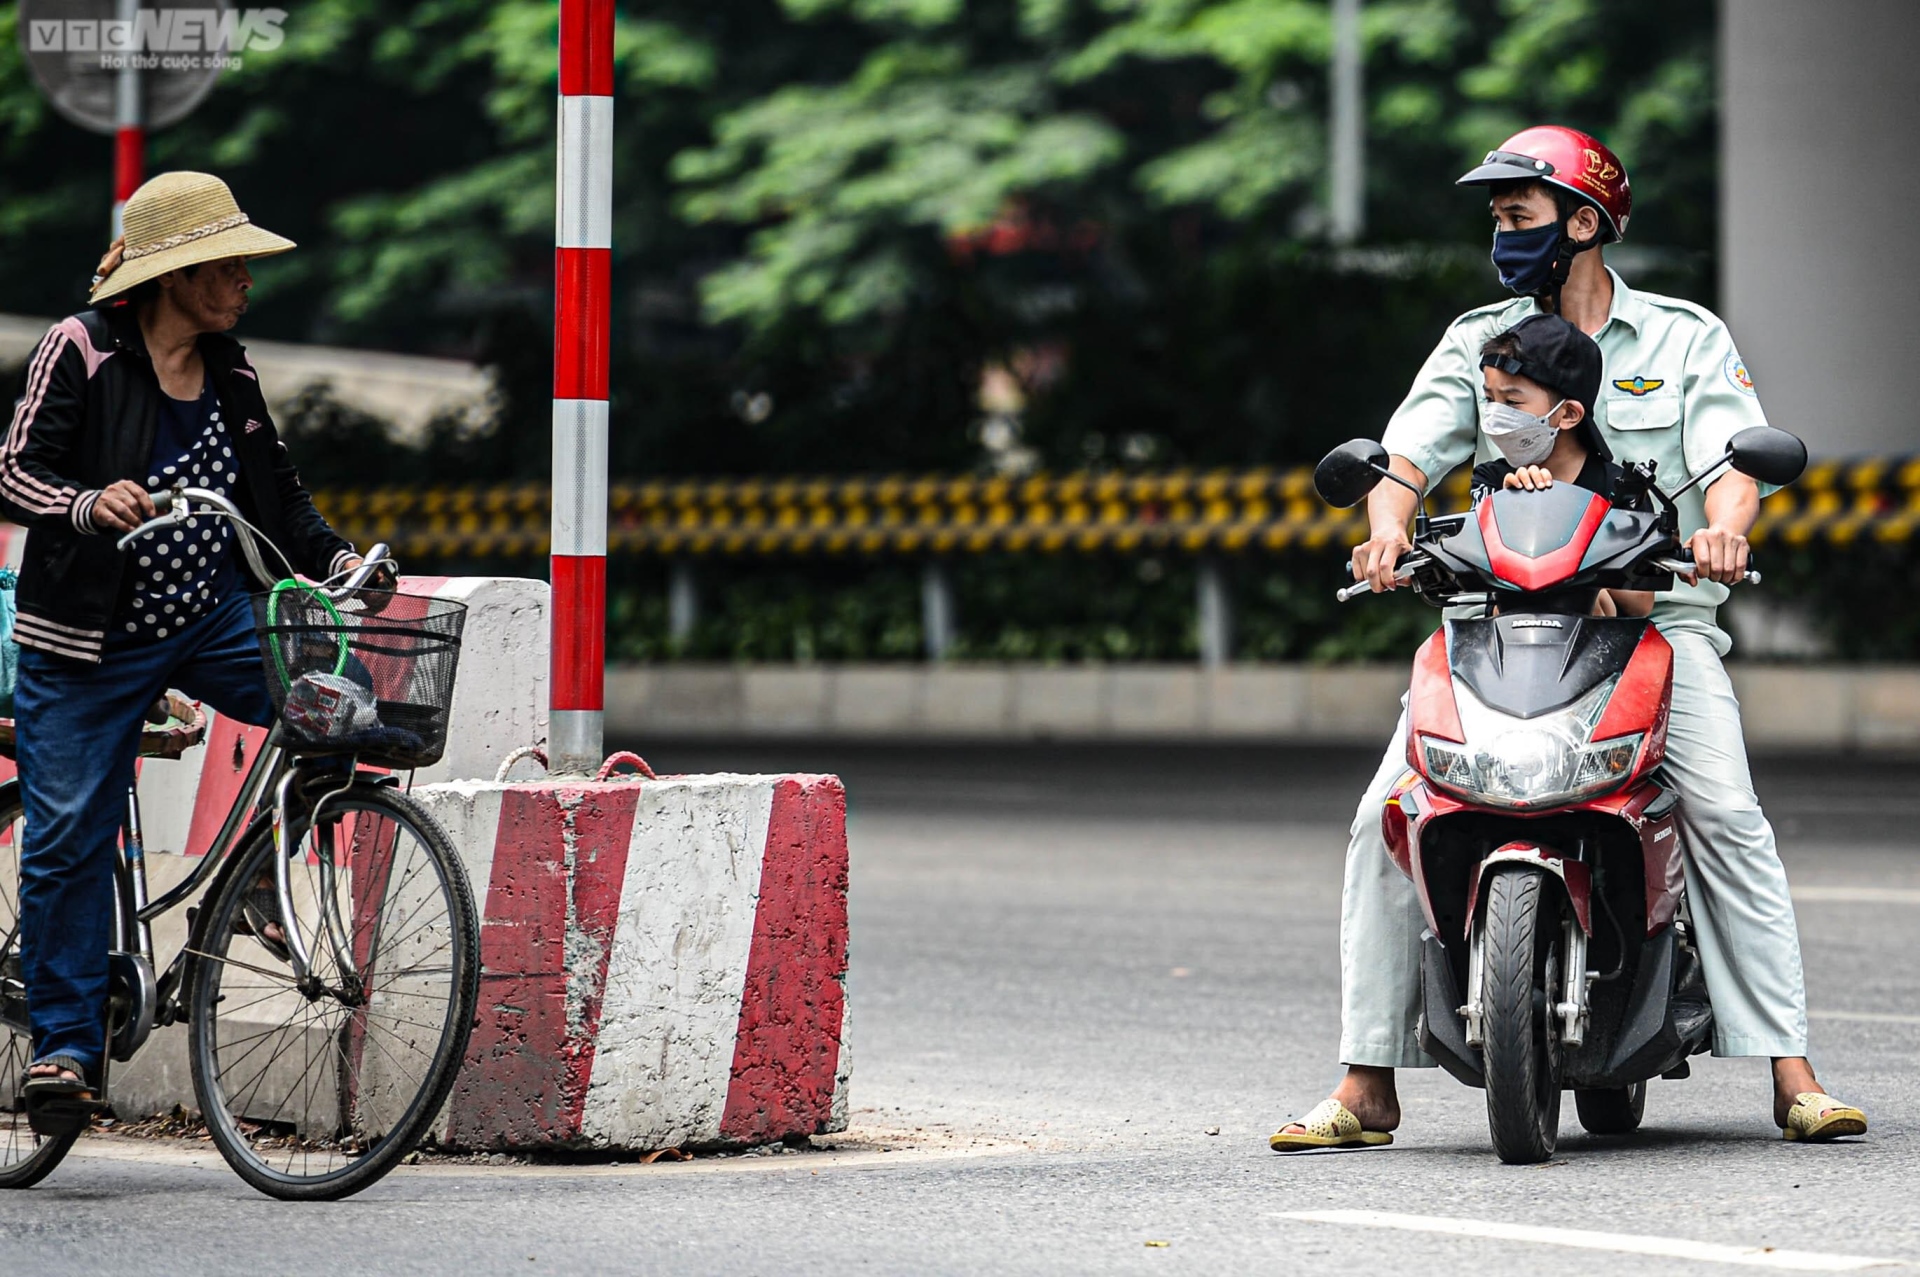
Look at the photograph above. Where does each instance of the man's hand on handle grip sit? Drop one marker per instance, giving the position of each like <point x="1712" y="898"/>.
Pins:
<point x="1375" y="559"/>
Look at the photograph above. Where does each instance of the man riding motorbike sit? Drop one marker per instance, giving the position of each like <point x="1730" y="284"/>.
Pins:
<point x="1674" y="391"/>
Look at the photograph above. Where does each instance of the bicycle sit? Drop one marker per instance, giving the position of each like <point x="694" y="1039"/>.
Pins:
<point x="331" y="965"/>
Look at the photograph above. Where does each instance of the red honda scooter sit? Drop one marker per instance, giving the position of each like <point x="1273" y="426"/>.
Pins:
<point x="1534" y="821"/>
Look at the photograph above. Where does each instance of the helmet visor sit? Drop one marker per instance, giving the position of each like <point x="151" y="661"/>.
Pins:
<point x="1506" y="166"/>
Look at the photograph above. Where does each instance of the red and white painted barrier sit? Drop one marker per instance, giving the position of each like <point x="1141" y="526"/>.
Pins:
<point x="583" y="306"/>
<point x="663" y="960"/>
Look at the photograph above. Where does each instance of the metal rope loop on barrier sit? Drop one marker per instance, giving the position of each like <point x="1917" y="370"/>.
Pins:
<point x="525" y="751"/>
<point x="624" y="758"/>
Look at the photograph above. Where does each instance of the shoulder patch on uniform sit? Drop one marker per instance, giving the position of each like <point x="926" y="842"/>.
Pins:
<point x="1738" y="377"/>
<point x="1637" y="386"/>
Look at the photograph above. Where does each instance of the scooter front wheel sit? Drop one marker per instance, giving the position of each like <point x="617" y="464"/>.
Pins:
<point x="1520" y="963"/>
<point x="1614" y="1111"/>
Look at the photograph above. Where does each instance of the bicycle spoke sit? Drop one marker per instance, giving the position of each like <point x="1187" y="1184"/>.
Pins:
<point x="252" y="1084"/>
<point x="287" y="976"/>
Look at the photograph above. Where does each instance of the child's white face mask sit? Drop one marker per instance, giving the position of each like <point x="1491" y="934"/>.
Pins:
<point x="1523" y="439"/>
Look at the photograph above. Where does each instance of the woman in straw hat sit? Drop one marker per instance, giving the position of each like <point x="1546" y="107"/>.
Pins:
<point x="141" y="391"/>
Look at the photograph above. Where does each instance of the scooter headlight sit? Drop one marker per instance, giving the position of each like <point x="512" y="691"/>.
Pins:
<point x="1537" y="762"/>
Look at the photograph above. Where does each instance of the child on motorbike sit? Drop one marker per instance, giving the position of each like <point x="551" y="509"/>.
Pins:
<point x="1540" y="380"/>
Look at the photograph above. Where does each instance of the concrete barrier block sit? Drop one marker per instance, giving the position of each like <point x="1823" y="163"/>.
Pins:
<point x="500" y="694"/>
<point x="1153" y="700"/>
<point x="1069" y="702"/>
<point x="966" y="701"/>
<point x="663" y="962"/>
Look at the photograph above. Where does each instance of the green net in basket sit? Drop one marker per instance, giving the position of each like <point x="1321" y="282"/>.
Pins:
<point x="373" y="677"/>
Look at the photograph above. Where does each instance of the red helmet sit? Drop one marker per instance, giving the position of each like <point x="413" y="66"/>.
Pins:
<point x="1566" y="158"/>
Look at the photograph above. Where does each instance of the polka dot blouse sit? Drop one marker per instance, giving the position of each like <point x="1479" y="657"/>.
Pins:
<point x="179" y="575"/>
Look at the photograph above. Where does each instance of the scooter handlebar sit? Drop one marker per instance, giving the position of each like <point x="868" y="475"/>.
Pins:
<point x="1681" y="567"/>
<point x="1402" y="573"/>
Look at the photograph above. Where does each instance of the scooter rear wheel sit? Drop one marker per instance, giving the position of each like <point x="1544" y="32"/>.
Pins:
<point x="1521" y="964"/>
<point x="1614" y="1111"/>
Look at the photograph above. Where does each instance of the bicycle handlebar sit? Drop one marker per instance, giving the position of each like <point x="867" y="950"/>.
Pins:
<point x="178" y="504"/>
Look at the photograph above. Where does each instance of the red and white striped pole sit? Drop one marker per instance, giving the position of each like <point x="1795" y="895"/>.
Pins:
<point x="129" y="118"/>
<point x="583" y="300"/>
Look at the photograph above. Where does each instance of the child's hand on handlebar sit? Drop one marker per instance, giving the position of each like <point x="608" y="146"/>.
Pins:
<point x="1529" y="478"/>
<point x="122" y="507"/>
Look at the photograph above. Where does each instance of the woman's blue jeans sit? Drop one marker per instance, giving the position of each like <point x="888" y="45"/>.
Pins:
<point x="78" y="731"/>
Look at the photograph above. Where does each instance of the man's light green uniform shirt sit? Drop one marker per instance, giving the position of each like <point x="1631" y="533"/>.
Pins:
<point x="1672" y="390"/>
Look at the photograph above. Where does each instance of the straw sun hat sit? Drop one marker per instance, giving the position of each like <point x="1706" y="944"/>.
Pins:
<point x="179" y="219"/>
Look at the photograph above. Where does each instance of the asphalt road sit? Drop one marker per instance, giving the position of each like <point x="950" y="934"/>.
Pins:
<point x="1071" y="968"/>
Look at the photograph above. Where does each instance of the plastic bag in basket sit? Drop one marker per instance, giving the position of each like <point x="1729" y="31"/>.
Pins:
<point x="329" y="707"/>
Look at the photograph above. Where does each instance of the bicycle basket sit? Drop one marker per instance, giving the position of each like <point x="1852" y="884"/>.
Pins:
<point x="372" y="677"/>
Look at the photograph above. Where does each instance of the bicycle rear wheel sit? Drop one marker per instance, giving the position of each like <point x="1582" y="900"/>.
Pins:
<point x="314" y="1092"/>
<point x="26" y="1157"/>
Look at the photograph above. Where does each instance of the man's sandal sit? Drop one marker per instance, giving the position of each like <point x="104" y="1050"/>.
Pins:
<point x="1816" y="1118"/>
<point x="1330" y="1125"/>
<point x="58" y="1104"/>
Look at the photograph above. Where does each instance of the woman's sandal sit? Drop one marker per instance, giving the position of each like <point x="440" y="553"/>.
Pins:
<point x="1330" y="1125"/>
<point x="1816" y="1118"/>
<point x="59" y="1103"/>
<point x="260" y="918"/>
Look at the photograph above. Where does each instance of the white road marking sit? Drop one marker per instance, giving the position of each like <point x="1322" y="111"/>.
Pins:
<point x="1582" y="1239"/>
<point x="1841" y="895"/>
<point x="1865" y="1017"/>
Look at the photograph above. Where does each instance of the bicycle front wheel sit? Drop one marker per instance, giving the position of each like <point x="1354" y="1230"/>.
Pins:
<point x="313" y="1090"/>
<point x="26" y="1157"/>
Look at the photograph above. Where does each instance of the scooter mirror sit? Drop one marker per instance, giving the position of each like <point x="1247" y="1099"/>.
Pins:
<point x="1346" y="475"/>
<point x="1769" y="455"/>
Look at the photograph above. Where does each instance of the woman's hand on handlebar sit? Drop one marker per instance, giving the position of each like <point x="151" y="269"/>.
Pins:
<point x="122" y="507"/>
<point x="1375" y="558"/>
<point x="383" y="578"/>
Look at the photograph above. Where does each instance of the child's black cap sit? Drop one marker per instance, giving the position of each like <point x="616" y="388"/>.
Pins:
<point x="1561" y="358"/>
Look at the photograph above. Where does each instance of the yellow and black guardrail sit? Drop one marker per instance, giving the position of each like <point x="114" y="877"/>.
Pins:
<point x="1218" y="511"/>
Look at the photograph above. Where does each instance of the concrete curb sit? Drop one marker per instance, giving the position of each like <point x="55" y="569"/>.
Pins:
<point x="1787" y="707"/>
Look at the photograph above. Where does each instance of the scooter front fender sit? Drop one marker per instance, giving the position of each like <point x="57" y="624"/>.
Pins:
<point x="1577" y="876"/>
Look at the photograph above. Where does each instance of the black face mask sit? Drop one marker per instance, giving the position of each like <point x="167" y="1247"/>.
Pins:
<point x="1525" y="259"/>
